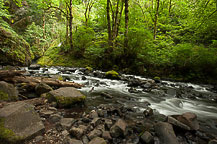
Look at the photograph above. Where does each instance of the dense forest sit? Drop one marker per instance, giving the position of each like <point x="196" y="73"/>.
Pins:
<point x="108" y="71"/>
<point x="160" y="38"/>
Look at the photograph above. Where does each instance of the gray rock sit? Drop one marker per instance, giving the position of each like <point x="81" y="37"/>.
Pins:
<point x="66" y="123"/>
<point x="106" y="135"/>
<point x="46" y="113"/>
<point x="8" y="92"/>
<point x="34" y="67"/>
<point x="166" y="133"/>
<point x="85" y="139"/>
<point x="78" y="132"/>
<point x="38" y="138"/>
<point x="147" y="137"/>
<point x="95" y="122"/>
<point x="97" y="140"/>
<point x="148" y="112"/>
<point x="177" y="123"/>
<point x="21" y="120"/>
<point x="94" y="133"/>
<point x="65" y="133"/>
<point x="74" y="141"/>
<point x="42" y="88"/>
<point x="213" y="141"/>
<point x="66" y="96"/>
<point x="93" y="114"/>
<point x="118" y="129"/>
<point x="190" y="119"/>
<point x="55" y="118"/>
<point x="108" y="123"/>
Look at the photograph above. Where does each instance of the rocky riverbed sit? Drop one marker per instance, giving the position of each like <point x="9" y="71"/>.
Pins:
<point x="119" y="109"/>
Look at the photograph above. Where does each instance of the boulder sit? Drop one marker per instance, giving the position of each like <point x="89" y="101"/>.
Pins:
<point x="112" y="75"/>
<point x="42" y="88"/>
<point x="147" y="137"/>
<point x="66" y="96"/>
<point x="189" y="119"/>
<point x="106" y="135"/>
<point x="177" y="123"/>
<point x="78" y="132"/>
<point x="19" y="122"/>
<point x="8" y="92"/>
<point x="14" y="50"/>
<point x="97" y="140"/>
<point x="94" y="133"/>
<point x="34" y="67"/>
<point x="66" y="123"/>
<point x="213" y="141"/>
<point x="74" y="141"/>
<point x="118" y="129"/>
<point x="165" y="133"/>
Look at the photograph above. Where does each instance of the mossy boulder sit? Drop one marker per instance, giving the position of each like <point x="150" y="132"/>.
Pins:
<point x="14" y="50"/>
<point x="42" y="88"/>
<point x="66" y="96"/>
<point x="112" y="74"/>
<point x="19" y="122"/>
<point x="8" y="92"/>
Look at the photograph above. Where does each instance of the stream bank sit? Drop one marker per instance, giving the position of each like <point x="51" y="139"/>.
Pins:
<point x="136" y="107"/>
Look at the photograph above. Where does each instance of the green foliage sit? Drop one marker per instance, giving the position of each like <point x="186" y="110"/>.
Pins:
<point x="82" y="40"/>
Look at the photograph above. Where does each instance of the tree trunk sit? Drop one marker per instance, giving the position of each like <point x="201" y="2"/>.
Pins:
<point x="126" y="25"/>
<point x="170" y="6"/>
<point x="114" y="30"/>
<point x="156" y="17"/>
<point x="109" y="24"/>
<point x="70" y="24"/>
<point x="67" y="25"/>
<point x="119" y="21"/>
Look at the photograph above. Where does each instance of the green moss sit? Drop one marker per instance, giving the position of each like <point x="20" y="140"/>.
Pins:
<point x="7" y="135"/>
<point x="157" y="78"/>
<point x="112" y="74"/>
<point x="68" y="101"/>
<point x="89" y="68"/>
<point x="4" y="96"/>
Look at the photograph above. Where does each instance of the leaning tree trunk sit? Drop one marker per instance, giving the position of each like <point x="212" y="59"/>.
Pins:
<point x="70" y="24"/>
<point x="170" y="6"/>
<point x="126" y="25"/>
<point x="109" y="24"/>
<point x="156" y="17"/>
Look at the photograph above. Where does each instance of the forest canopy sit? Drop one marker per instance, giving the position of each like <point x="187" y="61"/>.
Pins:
<point x="171" y="38"/>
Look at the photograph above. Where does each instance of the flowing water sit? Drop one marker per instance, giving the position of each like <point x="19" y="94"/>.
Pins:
<point x="168" y="98"/>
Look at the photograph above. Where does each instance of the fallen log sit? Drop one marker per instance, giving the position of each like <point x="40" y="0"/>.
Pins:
<point x="10" y="73"/>
<point x="31" y="82"/>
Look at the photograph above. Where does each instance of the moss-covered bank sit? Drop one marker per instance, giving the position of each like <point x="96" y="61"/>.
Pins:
<point x="14" y="50"/>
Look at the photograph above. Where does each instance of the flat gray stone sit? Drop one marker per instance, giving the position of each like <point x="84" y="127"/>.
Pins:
<point x="66" y="96"/>
<point x="21" y="120"/>
<point x="166" y="133"/>
<point x="97" y="140"/>
<point x="8" y="92"/>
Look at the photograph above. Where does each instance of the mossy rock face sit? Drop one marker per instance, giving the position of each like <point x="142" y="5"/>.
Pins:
<point x="8" y="92"/>
<point x="14" y="50"/>
<point x="66" y="96"/>
<point x="19" y="122"/>
<point x="112" y="74"/>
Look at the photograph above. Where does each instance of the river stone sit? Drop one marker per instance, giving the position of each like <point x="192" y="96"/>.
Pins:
<point x="18" y="122"/>
<point x="66" y="96"/>
<point x="8" y="92"/>
<point x="190" y="119"/>
<point x="97" y="140"/>
<point x="213" y="141"/>
<point x="166" y="133"/>
<point x="118" y="129"/>
<point x="177" y="123"/>
<point x="66" y="123"/>
<point x="147" y="137"/>
<point x="94" y="133"/>
<point x="74" y="141"/>
<point x="42" y="88"/>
